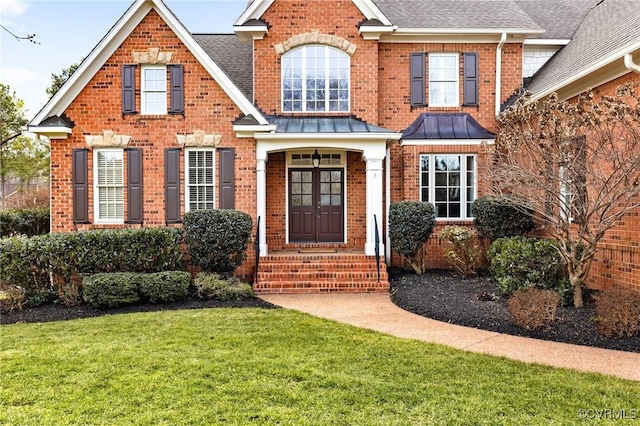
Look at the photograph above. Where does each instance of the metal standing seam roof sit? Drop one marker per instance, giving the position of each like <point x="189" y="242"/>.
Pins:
<point x="324" y="125"/>
<point x="609" y="27"/>
<point x="446" y="126"/>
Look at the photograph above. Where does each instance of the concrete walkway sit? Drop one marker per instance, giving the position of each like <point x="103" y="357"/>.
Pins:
<point x="377" y="312"/>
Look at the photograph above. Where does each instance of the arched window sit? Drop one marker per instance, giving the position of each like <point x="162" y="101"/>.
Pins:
<point x="315" y="78"/>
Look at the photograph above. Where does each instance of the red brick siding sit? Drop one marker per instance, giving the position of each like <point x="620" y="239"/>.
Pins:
<point x="98" y="108"/>
<point x="334" y="17"/>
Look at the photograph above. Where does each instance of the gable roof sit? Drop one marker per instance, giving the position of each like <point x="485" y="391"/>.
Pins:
<point x="608" y="32"/>
<point x="110" y="43"/>
<point x="256" y="8"/>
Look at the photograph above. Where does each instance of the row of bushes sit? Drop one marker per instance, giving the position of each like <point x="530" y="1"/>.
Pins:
<point x="411" y="223"/>
<point x="111" y="290"/>
<point x="29" y="262"/>
<point x="27" y="222"/>
<point x="216" y="241"/>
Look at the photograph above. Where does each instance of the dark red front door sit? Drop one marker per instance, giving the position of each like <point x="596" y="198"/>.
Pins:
<point x="316" y="205"/>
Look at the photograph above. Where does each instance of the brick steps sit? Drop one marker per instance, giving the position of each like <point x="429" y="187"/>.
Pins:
<point x="320" y="273"/>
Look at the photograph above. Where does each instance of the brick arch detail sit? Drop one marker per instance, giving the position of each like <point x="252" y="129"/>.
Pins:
<point x="315" y="37"/>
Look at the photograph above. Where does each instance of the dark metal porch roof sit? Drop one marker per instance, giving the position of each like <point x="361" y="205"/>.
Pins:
<point x="324" y="125"/>
<point x="446" y="126"/>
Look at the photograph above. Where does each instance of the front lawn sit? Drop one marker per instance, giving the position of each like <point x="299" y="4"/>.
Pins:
<point x="240" y="366"/>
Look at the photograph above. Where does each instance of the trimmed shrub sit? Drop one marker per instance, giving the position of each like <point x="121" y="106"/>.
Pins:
<point x="27" y="222"/>
<point x="164" y="286"/>
<point x="411" y="224"/>
<point x="24" y="262"/>
<point x="217" y="240"/>
<point x="462" y="249"/>
<point x="115" y="250"/>
<point x="12" y="297"/>
<point x="618" y="312"/>
<point x="521" y="262"/>
<point x="533" y="308"/>
<point x="110" y="290"/>
<point x="495" y="218"/>
<point x="216" y="286"/>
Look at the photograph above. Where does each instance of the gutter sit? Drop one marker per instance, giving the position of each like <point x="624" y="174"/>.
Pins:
<point x="628" y="62"/>
<point x="503" y="39"/>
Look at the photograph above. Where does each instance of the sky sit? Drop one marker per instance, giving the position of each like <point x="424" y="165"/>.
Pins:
<point x="67" y="30"/>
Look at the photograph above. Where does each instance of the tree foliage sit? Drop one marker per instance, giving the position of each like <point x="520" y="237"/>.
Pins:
<point x="57" y="80"/>
<point x="11" y="121"/>
<point x="576" y="165"/>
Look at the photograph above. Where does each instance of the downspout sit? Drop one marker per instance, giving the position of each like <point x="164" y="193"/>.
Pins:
<point x="628" y="62"/>
<point x="503" y="39"/>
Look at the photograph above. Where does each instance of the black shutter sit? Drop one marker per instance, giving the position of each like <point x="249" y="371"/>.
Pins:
<point x="176" y="76"/>
<point x="128" y="89"/>
<point x="172" y="185"/>
<point x="227" y="178"/>
<point x="418" y="78"/>
<point x="80" y="179"/>
<point x="470" y="96"/>
<point x="134" y="185"/>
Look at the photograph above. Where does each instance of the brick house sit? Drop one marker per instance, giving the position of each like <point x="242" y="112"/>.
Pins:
<point x="315" y="116"/>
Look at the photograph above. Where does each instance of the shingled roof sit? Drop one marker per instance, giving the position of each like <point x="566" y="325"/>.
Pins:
<point x="608" y="28"/>
<point x="234" y="57"/>
<point x="559" y="18"/>
<point x="453" y="14"/>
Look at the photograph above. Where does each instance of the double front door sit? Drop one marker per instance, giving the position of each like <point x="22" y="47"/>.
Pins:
<point x="316" y="205"/>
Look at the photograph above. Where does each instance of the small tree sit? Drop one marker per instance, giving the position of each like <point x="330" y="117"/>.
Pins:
<point x="410" y="225"/>
<point x="576" y="165"/>
<point x="11" y="121"/>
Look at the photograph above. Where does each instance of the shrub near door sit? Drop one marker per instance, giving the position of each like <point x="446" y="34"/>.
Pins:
<point x="217" y="240"/>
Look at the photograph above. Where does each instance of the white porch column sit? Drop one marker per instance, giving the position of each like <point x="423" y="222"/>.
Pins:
<point x="375" y="182"/>
<point x="261" y="201"/>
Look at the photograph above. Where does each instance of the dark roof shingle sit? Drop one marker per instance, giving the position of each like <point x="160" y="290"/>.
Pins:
<point x="232" y="56"/>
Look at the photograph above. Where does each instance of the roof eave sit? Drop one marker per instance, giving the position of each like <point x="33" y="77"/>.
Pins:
<point x="51" y="132"/>
<point x="356" y="136"/>
<point x="616" y="56"/>
<point x="250" y="33"/>
<point x="458" y="35"/>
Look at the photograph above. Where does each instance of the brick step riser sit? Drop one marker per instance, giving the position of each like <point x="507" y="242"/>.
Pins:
<point x="321" y="287"/>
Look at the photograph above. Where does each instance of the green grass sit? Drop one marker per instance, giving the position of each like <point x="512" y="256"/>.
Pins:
<point x="252" y="366"/>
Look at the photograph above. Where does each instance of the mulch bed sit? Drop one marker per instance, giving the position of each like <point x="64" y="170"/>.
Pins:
<point x="440" y="295"/>
<point x="444" y="296"/>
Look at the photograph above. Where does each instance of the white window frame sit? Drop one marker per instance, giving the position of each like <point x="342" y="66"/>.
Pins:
<point x="144" y="93"/>
<point x="303" y="51"/>
<point x="465" y="185"/>
<point x="433" y="81"/>
<point x="189" y="186"/>
<point x="118" y="218"/>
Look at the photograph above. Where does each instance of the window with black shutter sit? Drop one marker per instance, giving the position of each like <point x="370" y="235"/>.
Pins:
<point x="471" y="86"/>
<point x="172" y="185"/>
<point x="418" y="79"/>
<point x="134" y="185"/>
<point x="129" y="89"/>
<point x="80" y="179"/>
<point x="227" y="178"/>
<point x="176" y="77"/>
